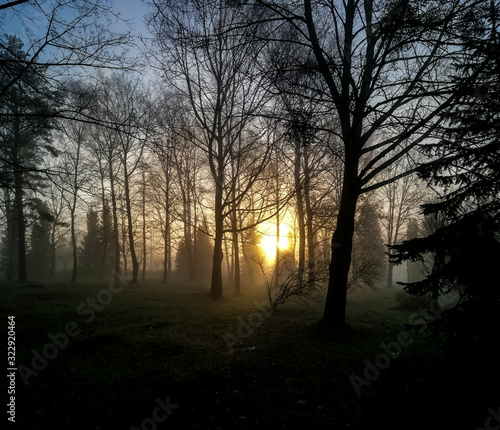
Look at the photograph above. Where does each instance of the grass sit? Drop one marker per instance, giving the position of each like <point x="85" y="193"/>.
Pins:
<point x="154" y="340"/>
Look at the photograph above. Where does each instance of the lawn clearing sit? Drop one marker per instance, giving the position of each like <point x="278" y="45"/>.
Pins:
<point x="153" y="344"/>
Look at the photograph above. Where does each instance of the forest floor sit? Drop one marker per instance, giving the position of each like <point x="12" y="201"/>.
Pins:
<point x="157" y="356"/>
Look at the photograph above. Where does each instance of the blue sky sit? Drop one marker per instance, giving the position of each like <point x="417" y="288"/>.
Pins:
<point x="132" y="10"/>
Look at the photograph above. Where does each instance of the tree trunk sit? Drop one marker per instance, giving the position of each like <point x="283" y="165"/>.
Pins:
<point x="115" y="217"/>
<point x="52" y="269"/>
<point x="18" y="202"/>
<point x="143" y="277"/>
<point x="167" y="233"/>
<point x="277" y="257"/>
<point x="300" y="214"/>
<point x="21" y="226"/>
<point x="248" y="261"/>
<point x="105" y="238"/>
<point x="74" y="272"/>
<point x="278" y="220"/>
<point x="124" y="251"/>
<point x="133" y="255"/>
<point x="190" y="238"/>
<point x="310" y="228"/>
<point x="335" y="306"/>
<point x="73" y="210"/>
<point x="216" y="285"/>
<point x="8" y="253"/>
<point x="194" y="232"/>
<point x="229" y="261"/>
<point x="236" y="252"/>
<point x="187" y="219"/>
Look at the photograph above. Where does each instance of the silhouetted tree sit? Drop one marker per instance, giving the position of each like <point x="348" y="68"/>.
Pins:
<point x="216" y="71"/>
<point x="27" y="102"/>
<point x="400" y="201"/>
<point x="466" y="165"/>
<point x="73" y="165"/>
<point x="414" y="269"/>
<point x="204" y="252"/>
<point x="65" y="35"/>
<point x="91" y="247"/>
<point x="107" y="241"/>
<point x="368" y="257"/>
<point x="375" y="80"/>
<point x="40" y="253"/>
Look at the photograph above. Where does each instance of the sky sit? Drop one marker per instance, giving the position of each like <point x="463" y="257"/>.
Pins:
<point x="10" y="22"/>
<point x="36" y="24"/>
<point x="133" y="10"/>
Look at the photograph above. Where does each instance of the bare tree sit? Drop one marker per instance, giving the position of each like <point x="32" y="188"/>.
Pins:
<point x="73" y="180"/>
<point x="401" y="200"/>
<point x="384" y="67"/>
<point x="121" y="102"/>
<point x="65" y="38"/>
<point x="166" y="141"/>
<point x="61" y="38"/>
<point x="144" y="167"/>
<point x="59" y="227"/>
<point x="282" y="285"/>
<point x="163" y="201"/>
<point x="217" y="73"/>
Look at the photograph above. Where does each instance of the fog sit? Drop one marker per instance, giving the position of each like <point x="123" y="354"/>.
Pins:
<point x="250" y="214"/>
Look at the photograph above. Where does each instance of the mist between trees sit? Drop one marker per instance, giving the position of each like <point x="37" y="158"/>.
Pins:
<point x="300" y="123"/>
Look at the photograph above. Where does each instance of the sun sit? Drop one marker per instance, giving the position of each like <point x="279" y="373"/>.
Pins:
<point x="269" y="239"/>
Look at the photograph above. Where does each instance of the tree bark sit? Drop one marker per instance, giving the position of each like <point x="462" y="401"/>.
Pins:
<point x="73" y="211"/>
<point x="335" y="306"/>
<point x="105" y="238"/>
<point x="236" y="252"/>
<point x="115" y="216"/>
<point x="143" y="277"/>
<point x="166" y="254"/>
<point x="216" y="285"/>
<point x="53" y="242"/>
<point x="133" y="255"/>
<point x="300" y="213"/>
<point x="74" y="271"/>
<point x="8" y="253"/>
<point x="21" y="226"/>
<point x="309" y="213"/>
<point x="18" y="201"/>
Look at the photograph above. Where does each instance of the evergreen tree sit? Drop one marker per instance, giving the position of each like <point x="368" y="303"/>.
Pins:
<point x="8" y="258"/>
<point x="107" y="242"/>
<point x="252" y="253"/>
<point x="204" y="252"/>
<point x="26" y="107"/>
<point x="91" y="249"/>
<point x="368" y="257"/>
<point x="467" y="167"/>
<point x="40" y="253"/>
<point x="182" y="265"/>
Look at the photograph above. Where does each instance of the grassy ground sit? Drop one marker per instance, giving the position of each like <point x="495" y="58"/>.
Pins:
<point x="154" y="341"/>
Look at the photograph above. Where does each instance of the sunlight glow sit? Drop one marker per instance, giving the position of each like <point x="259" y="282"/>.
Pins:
<point x="269" y="239"/>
